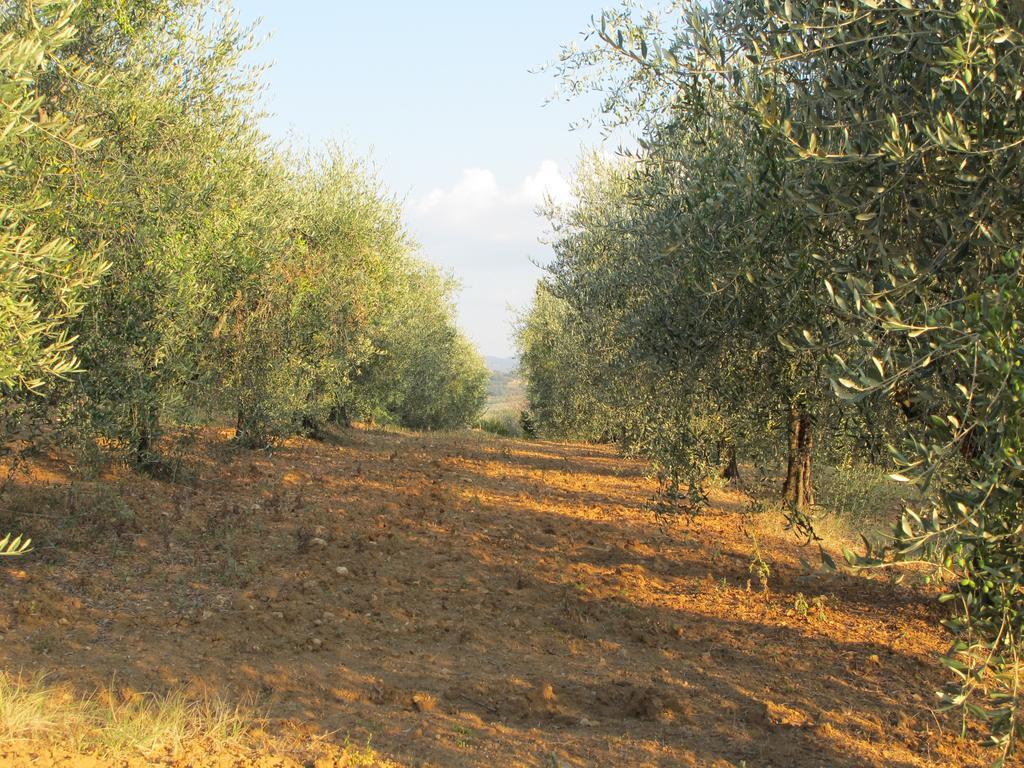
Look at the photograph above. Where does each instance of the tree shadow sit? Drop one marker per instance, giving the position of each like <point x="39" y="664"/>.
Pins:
<point x="480" y="619"/>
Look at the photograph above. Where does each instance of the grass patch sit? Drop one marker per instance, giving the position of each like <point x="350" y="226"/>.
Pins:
<point x="36" y="713"/>
<point x="861" y="494"/>
<point x="31" y="709"/>
<point x="852" y="500"/>
<point x="503" y="423"/>
<point x="355" y="756"/>
<point x="855" y="500"/>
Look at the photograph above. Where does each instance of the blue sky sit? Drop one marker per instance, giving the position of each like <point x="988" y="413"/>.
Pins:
<point x="441" y="96"/>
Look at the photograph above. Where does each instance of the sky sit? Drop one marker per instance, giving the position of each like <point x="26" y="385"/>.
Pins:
<point x="441" y="97"/>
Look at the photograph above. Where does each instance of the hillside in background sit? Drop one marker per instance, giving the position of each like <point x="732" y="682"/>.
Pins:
<point x="506" y="390"/>
<point x="502" y="364"/>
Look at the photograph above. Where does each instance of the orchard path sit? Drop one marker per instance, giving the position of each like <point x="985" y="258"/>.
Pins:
<point x="465" y="600"/>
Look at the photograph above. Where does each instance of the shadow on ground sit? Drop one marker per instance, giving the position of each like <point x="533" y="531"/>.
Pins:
<point x="498" y="603"/>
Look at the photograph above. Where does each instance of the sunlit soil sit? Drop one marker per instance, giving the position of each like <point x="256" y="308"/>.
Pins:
<point x="463" y="600"/>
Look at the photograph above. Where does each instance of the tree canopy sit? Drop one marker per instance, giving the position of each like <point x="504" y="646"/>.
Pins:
<point x="170" y="264"/>
<point x="823" y="227"/>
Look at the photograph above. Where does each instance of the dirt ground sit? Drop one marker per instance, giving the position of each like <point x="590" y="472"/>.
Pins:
<point x="464" y="600"/>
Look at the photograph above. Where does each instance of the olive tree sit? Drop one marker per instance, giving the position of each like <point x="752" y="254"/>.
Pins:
<point x="43" y="278"/>
<point x="900" y="124"/>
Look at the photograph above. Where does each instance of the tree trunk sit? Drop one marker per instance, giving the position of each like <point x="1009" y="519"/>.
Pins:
<point x="145" y="455"/>
<point x="246" y="429"/>
<point x="798" y="490"/>
<point x="239" y="426"/>
<point x="339" y="416"/>
<point x="732" y="469"/>
<point x="311" y="428"/>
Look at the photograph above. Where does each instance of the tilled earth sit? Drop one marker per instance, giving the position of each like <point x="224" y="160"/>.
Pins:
<point x="464" y="600"/>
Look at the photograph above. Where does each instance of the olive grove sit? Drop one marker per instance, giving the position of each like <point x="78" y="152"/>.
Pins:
<point x="166" y="263"/>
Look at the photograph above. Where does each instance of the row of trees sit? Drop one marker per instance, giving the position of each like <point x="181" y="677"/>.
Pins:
<point x="163" y="262"/>
<point x="817" y="250"/>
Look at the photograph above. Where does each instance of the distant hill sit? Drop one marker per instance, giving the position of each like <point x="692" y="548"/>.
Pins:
<point x="501" y="364"/>
<point x="506" y="392"/>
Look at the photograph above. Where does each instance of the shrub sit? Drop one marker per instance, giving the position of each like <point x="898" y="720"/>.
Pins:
<point x="502" y="423"/>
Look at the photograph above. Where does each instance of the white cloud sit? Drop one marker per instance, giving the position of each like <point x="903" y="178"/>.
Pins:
<point x="547" y="182"/>
<point x="490" y="235"/>
<point x="477" y="202"/>
<point x="476" y="192"/>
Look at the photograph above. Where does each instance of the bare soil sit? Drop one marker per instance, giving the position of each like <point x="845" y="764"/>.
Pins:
<point x="464" y="600"/>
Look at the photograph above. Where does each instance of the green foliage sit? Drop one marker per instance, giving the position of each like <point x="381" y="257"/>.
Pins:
<point x="12" y="546"/>
<point x="171" y="193"/>
<point x="43" y="279"/>
<point x="844" y="177"/>
<point x="861" y="493"/>
<point x="562" y="398"/>
<point x="659" y="325"/>
<point x="426" y="375"/>
<point x="238" y="280"/>
<point x="502" y="423"/>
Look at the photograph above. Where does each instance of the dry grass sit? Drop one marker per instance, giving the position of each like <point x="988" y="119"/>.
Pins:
<point x="857" y="500"/>
<point x="130" y="727"/>
<point x="502" y="423"/>
<point x="31" y="709"/>
<point x="852" y="500"/>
